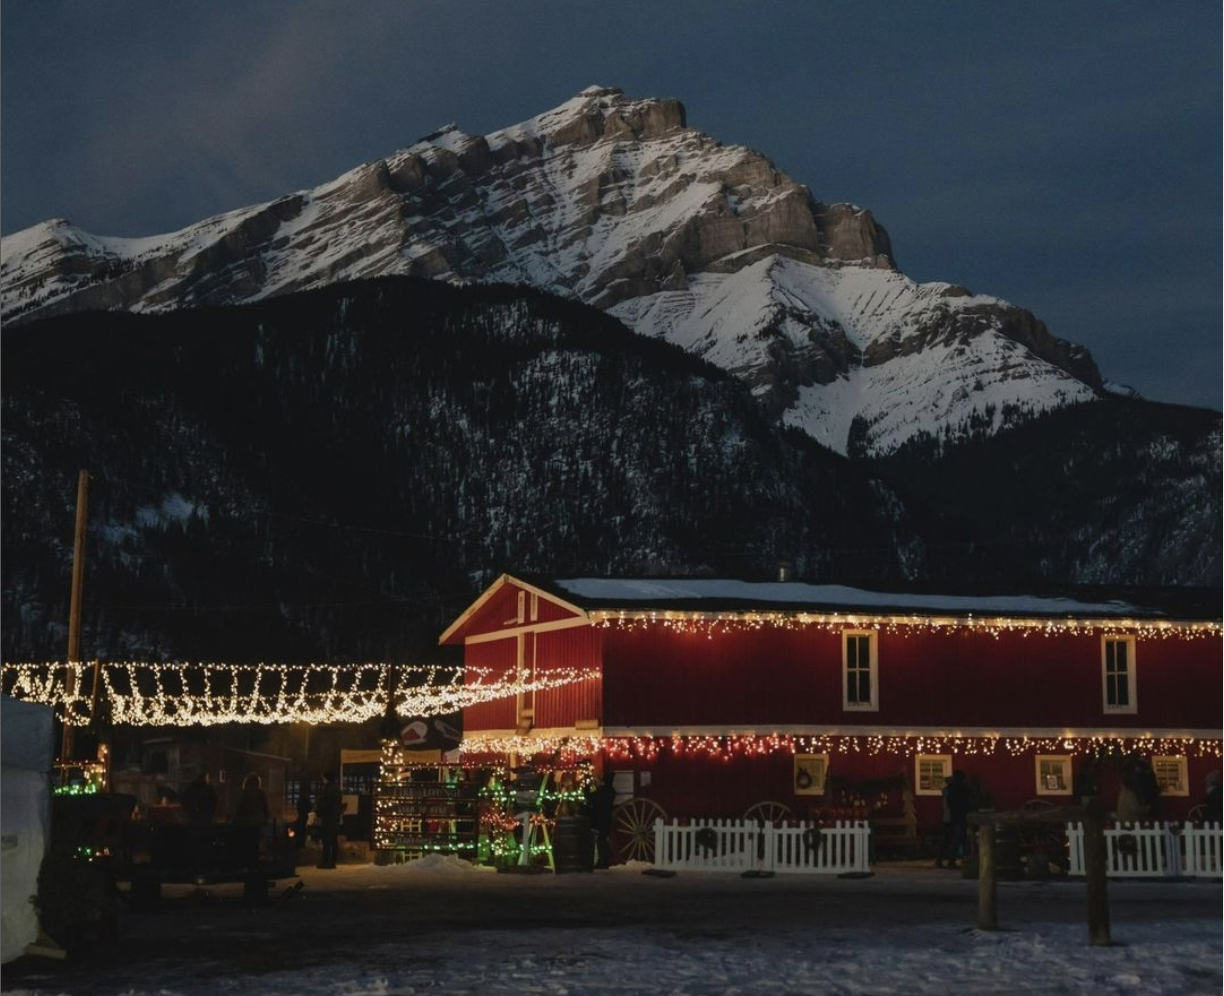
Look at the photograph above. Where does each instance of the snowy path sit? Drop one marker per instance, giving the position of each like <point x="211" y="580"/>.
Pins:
<point x="368" y="931"/>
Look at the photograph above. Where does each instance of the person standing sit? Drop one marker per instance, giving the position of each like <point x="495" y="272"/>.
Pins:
<point x="252" y="805"/>
<point x="304" y="806"/>
<point x="1213" y="801"/>
<point x="329" y="809"/>
<point x="1138" y="792"/>
<point x="599" y="809"/>
<point x="960" y="801"/>
<point x="200" y="801"/>
<point x="199" y="808"/>
<point x="946" y="851"/>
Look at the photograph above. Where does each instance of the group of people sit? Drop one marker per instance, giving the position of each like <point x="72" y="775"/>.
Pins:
<point x="199" y="802"/>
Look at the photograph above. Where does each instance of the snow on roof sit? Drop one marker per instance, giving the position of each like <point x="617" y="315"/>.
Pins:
<point x="650" y="593"/>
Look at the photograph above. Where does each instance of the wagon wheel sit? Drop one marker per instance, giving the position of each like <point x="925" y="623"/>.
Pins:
<point x="633" y="829"/>
<point x="770" y="812"/>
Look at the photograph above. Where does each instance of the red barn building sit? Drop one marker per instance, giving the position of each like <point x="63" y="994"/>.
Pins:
<point x="719" y="696"/>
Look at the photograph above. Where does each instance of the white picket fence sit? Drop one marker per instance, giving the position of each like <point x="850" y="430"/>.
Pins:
<point x="1202" y="851"/>
<point x="747" y="845"/>
<point x="1155" y="850"/>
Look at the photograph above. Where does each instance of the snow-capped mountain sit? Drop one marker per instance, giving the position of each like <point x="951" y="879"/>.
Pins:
<point x="617" y="203"/>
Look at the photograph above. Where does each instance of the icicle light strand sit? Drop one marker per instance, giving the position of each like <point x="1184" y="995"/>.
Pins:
<point x="710" y="624"/>
<point x="726" y="748"/>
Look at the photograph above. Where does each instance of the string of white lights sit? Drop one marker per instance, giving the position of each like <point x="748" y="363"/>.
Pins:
<point x="726" y="748"/>
<point x="168" y="694"/>
<point x="711" y="623"/>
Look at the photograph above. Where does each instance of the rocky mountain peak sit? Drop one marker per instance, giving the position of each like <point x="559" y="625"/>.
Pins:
<point x="617" y="202"/>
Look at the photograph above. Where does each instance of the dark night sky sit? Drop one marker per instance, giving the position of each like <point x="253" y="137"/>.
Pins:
<point x="1062" y="155"/>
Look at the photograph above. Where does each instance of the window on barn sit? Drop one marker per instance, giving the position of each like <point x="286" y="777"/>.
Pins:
<point x="1118" y="673"/>
<point x="859" y="670"/>
<point x="1053" y="774"/>
<point x="930" y="771"/>
<point x="1171" y="775"/>
<point x="810" y="772"/>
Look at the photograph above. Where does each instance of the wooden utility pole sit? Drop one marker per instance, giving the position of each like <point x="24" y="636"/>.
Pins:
<point x="74" y="606"/>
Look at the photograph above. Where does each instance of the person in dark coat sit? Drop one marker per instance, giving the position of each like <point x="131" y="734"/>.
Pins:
<point x="960" y="801"/>
<point x="946" y="849"/>
<point x="599" y="810"/>
<point x="304" y="806"/>
<point x="1213" y="802"/>
<point x="329" y="809"/>
<point x="199" y="808"/>
<point x="1138" y="792"/>
<point x="200" y="801"/>
<point x="252" y="805"/>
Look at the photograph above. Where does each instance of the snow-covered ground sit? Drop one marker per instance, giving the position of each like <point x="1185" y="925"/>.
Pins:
<point x="439" y="926"/>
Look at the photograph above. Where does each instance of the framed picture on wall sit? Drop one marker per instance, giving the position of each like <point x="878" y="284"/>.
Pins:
<point x="810" y="772"/>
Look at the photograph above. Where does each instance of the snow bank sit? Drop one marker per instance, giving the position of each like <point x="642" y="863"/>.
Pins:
<point x="431" y="864"/>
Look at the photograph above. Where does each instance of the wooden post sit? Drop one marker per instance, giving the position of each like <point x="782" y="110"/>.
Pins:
<point x="988" y="897"/>
<point x="1096" y="879"/>
<point x="74" y="605"/>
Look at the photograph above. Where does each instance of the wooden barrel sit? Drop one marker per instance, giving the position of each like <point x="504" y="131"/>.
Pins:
<point x="573" y="847"/>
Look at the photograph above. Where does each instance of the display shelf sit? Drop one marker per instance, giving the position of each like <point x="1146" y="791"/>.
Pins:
<point x="426" y="809"/>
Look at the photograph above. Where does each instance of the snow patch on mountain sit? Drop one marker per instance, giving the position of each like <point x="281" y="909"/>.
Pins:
<point x="618" y="203"/>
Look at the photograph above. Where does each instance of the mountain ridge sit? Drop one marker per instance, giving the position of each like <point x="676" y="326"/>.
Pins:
<point x="297" y="477"/>
<point x="618" y="203"/>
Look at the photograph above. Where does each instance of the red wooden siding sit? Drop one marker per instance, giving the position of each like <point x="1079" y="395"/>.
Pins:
<point x="773" y="677"/>
<point x="576" y="647"/>
<point x="549" y="611"/>
<point x="501" y="657"/>
<point x="579" y="647"/>
<point x="702" y="787"/>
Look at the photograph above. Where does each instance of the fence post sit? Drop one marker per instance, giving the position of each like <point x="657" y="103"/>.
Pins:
<point x="988" y="899"/>
<point x="1096" y="881"/>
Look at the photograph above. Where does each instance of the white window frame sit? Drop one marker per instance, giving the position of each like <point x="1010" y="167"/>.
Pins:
<point x="816" y="767"/>
<point x="1182" y="788"/>
<point x="1064" y="763"/>
<point x="873" y="670"/>
<point x="946" y="772"/>
<point x="1132" y="675"/>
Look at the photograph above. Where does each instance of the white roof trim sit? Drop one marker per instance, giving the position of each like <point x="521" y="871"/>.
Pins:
<point x="492" y="590"/>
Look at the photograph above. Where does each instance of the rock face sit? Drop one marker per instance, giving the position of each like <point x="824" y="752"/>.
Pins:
<point x="618" y="203"/>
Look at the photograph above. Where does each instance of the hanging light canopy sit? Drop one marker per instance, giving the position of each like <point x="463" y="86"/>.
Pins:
<point x="171" y="694"/>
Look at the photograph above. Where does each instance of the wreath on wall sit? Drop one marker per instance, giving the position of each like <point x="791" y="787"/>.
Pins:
<point x="707" y="839"/>
<point x="813" y="839"/>
<point x="1127" y="845"/>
